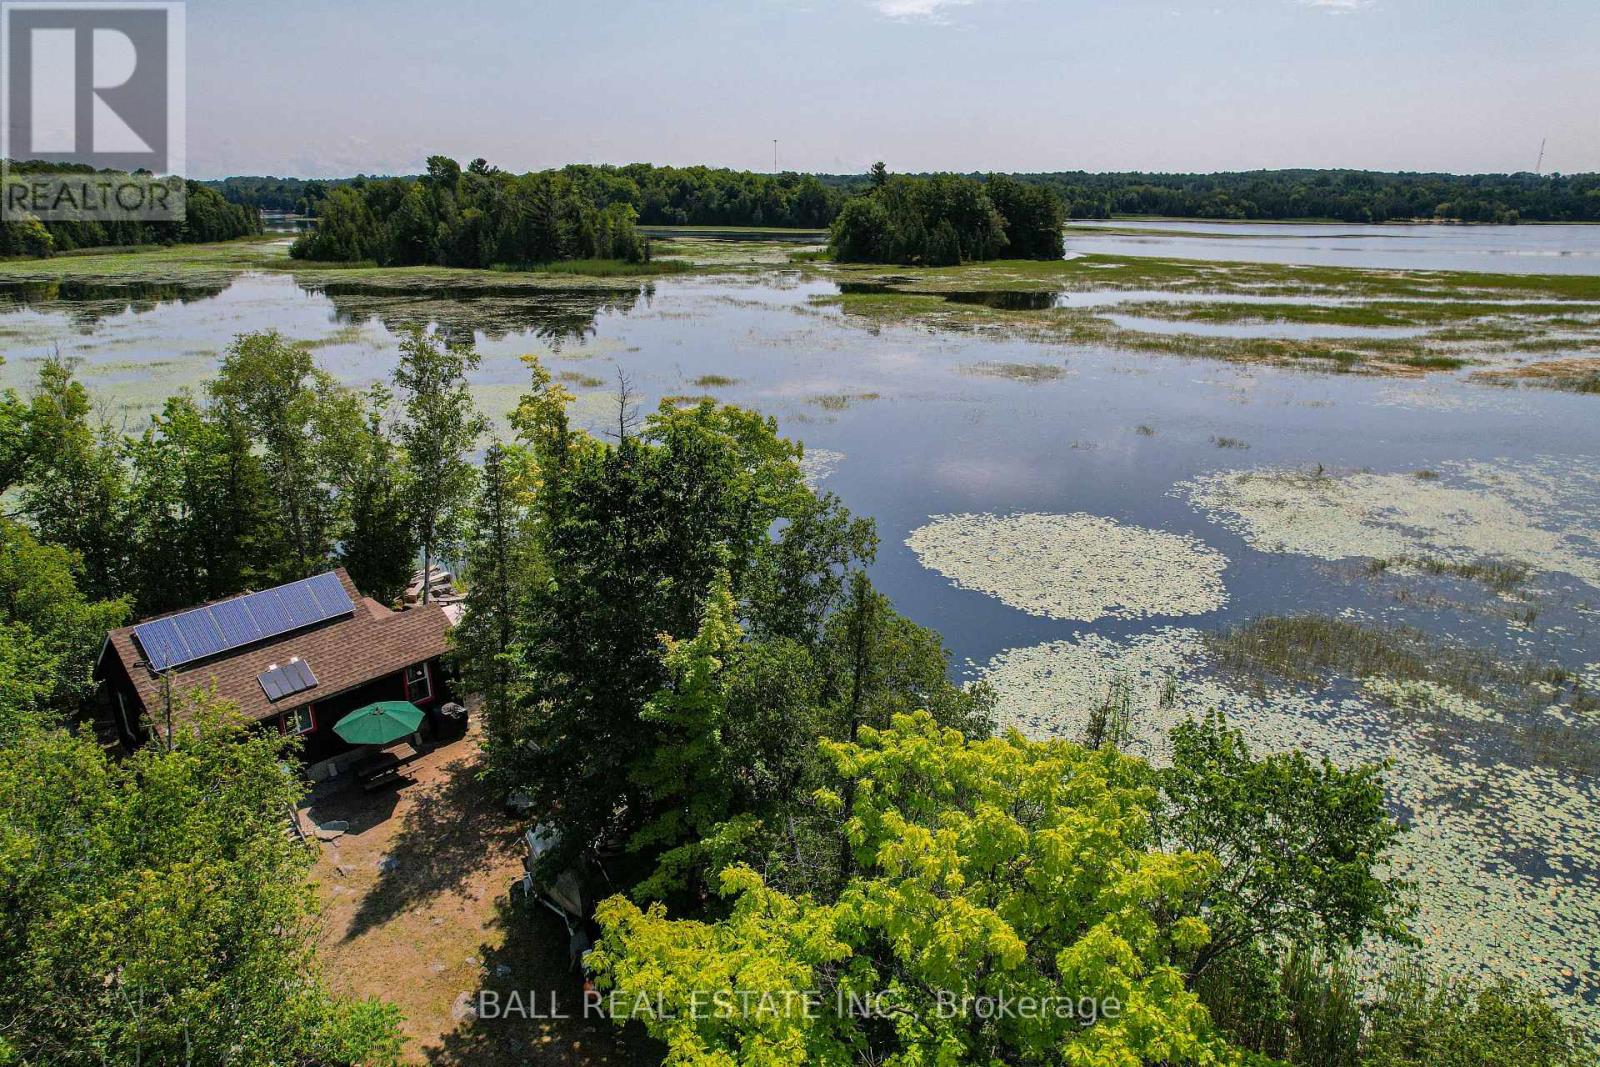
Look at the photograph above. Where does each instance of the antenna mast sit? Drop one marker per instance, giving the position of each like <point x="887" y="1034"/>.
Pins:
<point x="1540" y="163"/>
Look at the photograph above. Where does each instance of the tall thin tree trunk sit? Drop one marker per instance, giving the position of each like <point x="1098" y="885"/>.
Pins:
<point x="427" y="568"/>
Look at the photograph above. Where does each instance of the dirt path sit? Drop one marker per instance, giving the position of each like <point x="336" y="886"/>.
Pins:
<point x="417" y="909"/>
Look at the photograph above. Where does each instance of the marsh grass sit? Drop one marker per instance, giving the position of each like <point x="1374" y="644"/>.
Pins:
<point x="1309" y="649"/>
<point x="1500" y="575"/>
<point x="1110" y="723"/>
<point x="1017" y="372"/>
<point x="714" y="381"/>
<point x="1573" y="375"/>
<point x="1433" y="361"/>
<point x="597" y="268"/>
<point x="587" y="381"/>
<point x="840" y="401"/>
<point x="1540" y="713"/>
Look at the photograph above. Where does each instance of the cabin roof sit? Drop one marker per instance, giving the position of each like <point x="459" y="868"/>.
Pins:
<point x="367" y="643"/>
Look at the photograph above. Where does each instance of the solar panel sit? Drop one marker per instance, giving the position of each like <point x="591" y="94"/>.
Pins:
<point x="207" y="631"/>
<point x="291" y="678"/>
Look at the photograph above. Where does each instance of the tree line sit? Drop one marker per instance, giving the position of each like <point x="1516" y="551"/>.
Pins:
<point x="687" y="672"/>
<point x="209" y="216"/>
<point x="1342" y="195"/>
<point x="475" y="217"/>
<point x="706" y="196"/>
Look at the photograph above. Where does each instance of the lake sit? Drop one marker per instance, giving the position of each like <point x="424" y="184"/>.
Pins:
<point x="1531" y="249"/>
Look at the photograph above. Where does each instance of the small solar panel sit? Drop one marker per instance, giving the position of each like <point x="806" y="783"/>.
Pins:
<point x="207" y="631"/>
<point x="291" y="678"/>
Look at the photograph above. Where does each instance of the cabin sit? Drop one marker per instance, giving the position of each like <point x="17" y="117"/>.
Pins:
<point x="295" y="658"/>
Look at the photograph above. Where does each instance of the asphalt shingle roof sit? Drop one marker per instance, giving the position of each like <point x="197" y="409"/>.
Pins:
<point x="342" y="653"/>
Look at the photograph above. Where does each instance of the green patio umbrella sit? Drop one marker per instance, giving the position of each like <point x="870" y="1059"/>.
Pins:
<point x="380" y="723"/>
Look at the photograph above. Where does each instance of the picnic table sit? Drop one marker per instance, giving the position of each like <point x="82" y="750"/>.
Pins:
<point x="385" y="766"/>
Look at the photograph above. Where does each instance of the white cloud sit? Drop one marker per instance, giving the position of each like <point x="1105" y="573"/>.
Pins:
<point x="1340" y="7"/>
<point x="917" y="10"/>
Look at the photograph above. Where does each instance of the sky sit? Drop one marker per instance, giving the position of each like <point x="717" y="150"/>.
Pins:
<point x="336" y="87"/>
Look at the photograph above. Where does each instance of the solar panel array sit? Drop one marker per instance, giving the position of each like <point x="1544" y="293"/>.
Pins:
<point x="291" y="678"/>
<point x="217" y="628"/>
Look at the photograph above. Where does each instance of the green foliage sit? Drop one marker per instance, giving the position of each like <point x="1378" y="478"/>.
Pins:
<point x="479" y="217"/>
<point x="154" y="910"/>
<point x="878" y="664"/>
<point x="279" y="472"/>
<point x="75" y="489"/>
<point x="993" y="868"/>
<point x="440" y="425"/>
<point x="200" y="507"/>
<point x="1420" y="1021"/>
<point x="932" y="221"/>
<point x="686" y="773"/>
<point x="208" y="217"/>
<point x="705" y="196"/>
<point x="1301" y="1007"/>
<point x="49" y="633"/>
<point x="498" y="572"/>
<point x="269" y="391"/>
<point x="1034" y="217"/>
<point x="1301" y="844"/>
<point x="1346" y="195"/>
<point x="631" y="536"/>
<point x="379" y="546"/>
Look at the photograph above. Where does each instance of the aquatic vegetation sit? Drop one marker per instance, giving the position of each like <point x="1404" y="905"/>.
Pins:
<point x="1229" y="442"/>
<point x="1531" y="513"/>
<point x="1505" y="885"/>
<point x="1500" y="575"/>
<point x="817" y="463"/>
<point x="1018" y="372"/>
<point x="714" y="381"/>
<point x="578" y="378"/>
<point x="1078" y="566"/>
<point x="1311" y="649"/>
<point x="1576" y="375"/>
<point x="840" y="401"/>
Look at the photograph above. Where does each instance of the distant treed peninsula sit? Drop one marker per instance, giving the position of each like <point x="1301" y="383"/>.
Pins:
<point x="707" y="196"/>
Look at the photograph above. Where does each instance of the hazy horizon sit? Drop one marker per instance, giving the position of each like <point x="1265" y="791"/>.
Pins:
<point x="963" y="85"/>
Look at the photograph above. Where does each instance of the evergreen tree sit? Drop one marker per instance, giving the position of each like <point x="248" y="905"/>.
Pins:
<point x="498" y="571"/>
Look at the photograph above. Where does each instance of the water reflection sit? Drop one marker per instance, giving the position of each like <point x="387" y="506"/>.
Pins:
<point x="554" y="316"/>
<point x="86" y="303"/>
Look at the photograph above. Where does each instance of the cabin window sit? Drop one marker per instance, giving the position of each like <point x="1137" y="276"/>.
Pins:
<point x="419" y="686"/>
<point x="297" y="721"/>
